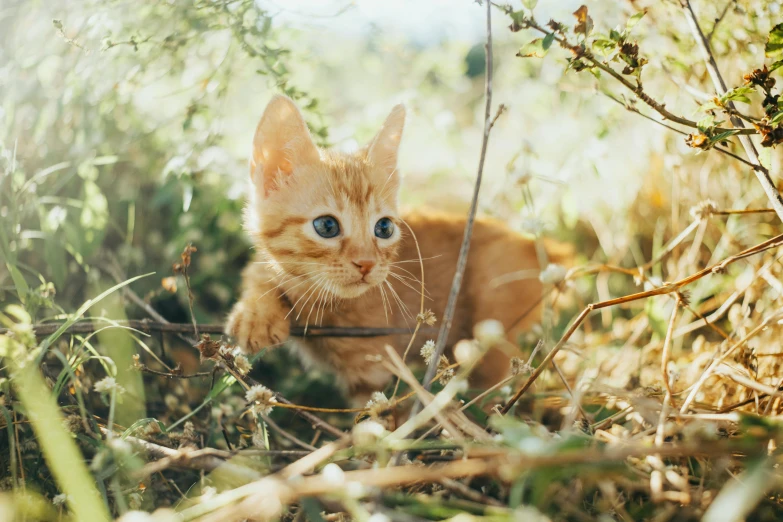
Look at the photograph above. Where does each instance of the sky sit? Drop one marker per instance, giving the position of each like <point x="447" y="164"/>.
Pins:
<point x="421" y="21"/>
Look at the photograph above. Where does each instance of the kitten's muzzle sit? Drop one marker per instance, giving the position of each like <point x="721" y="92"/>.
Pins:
<point x="364" y="266"/>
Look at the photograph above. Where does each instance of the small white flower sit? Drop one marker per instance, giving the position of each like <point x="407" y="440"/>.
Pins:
<point x="60" y="499"/>
<point x="333" y="474"/>
<point x="378" y="517"/>
<point x="378" y="398"/>
<point x="533" y="226"/>
<point x="224" y="350"/>
<point x="489" y="332"/>
<point x="428" y="351"/>
<point x="136" y="516"/>
<point x="466" y="351"/>
<point x="261" y="398"/>
<point x="552" y="274"/>
<point x="367" y="433"/>
<point x="108" y="385"/>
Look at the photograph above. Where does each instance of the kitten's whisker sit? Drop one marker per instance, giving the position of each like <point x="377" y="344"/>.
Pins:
<point x="383" y="301"/>
<point x="314" y="305"/>
<point x="327" y="297"/>
<point x="414" y="260"/>
<point x="400" y="304"/>
<point x="314" y="283"/>
<point x="285" y="281"/>
<point x="412" y="276"/>
<point x="317" y="287"/>
<point x="417" y="290"/>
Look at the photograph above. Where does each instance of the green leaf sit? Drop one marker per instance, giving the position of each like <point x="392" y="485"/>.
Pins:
<point x="774" y="47"/>
<point x="22" y="288"/>
<point x="723" y="135"/>
<point x="739" y="94"/>
<point x="530" y="4"/>
<point x="604" y="45"/>
<point x="548" y="39"/>
<point x="634" y="20"/>
<point x="80" y="312"/>
<point x="776" y="65"/>
<point x="533" y="49"/>
<point x="777" y="118"/>
<point x="142" y="422"/>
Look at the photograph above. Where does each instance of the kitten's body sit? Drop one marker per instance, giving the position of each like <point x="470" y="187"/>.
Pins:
<point x="302" y="278"/>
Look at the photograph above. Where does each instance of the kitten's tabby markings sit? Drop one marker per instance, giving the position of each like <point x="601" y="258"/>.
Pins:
<point x="328" y="234"/>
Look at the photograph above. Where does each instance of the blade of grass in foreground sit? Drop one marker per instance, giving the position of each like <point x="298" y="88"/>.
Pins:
<point x="59" y="449"/>
<point x="80" y="312"/>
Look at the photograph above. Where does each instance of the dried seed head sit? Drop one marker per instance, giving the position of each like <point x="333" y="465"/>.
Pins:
<point x="261" y="399"/>
<point x="427" y="317"/>
<point x="703" y="209"/>
<point x="207" y="347"/>
<point x="242" y="365"/>
<point x="445" y="373"/>
<point x="520" y="367"/>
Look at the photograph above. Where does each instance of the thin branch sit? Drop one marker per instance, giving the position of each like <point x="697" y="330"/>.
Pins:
<point x="667" y="288"/>
<point x="456" y="284"/>
<point x="181" y="328"/>
<point x="580" y="52"/>
<point x="720" y="87"/>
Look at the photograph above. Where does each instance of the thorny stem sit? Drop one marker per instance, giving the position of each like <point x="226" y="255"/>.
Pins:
<point x="456" y="284"/>
<point x="720" y="87"/>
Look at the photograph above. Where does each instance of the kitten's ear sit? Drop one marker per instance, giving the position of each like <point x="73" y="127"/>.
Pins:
<point x="383" y="150"/>
<point x="281" y="143"/>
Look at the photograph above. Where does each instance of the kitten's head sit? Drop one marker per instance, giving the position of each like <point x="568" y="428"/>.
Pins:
<point x="321" y="217"/>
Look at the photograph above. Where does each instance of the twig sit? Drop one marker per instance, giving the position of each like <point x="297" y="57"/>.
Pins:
<point x="181" y="328"/>
<point x="456" y="284"/>
<point x="666" y="352"/>
<point x="580" y="52"/>
<point x="720" y="18"/>
<point x="265" y="498"/>
<point x="662" y="290"/>
<point x="720" y="87"/>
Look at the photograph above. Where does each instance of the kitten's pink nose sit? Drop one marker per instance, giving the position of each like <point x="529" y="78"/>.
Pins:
<point x="364" y="265"/>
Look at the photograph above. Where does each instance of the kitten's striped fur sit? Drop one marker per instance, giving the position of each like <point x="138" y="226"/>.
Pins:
<point x="301" y="278"/>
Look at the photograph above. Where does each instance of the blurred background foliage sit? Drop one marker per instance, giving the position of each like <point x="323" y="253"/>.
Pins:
<point x="125" y="129"/>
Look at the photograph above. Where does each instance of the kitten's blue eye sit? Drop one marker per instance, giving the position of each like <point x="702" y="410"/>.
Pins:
<point x="326" y="226"/>
<point x="384" y="228"/>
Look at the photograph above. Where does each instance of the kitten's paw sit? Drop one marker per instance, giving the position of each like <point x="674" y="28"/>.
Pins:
<point x="256" y="327"/>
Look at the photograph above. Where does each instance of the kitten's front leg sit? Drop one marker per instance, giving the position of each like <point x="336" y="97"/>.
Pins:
<point x="259" y="319"/>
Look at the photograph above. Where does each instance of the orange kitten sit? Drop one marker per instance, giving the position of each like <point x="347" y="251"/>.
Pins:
<point x="332" y="249"/>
